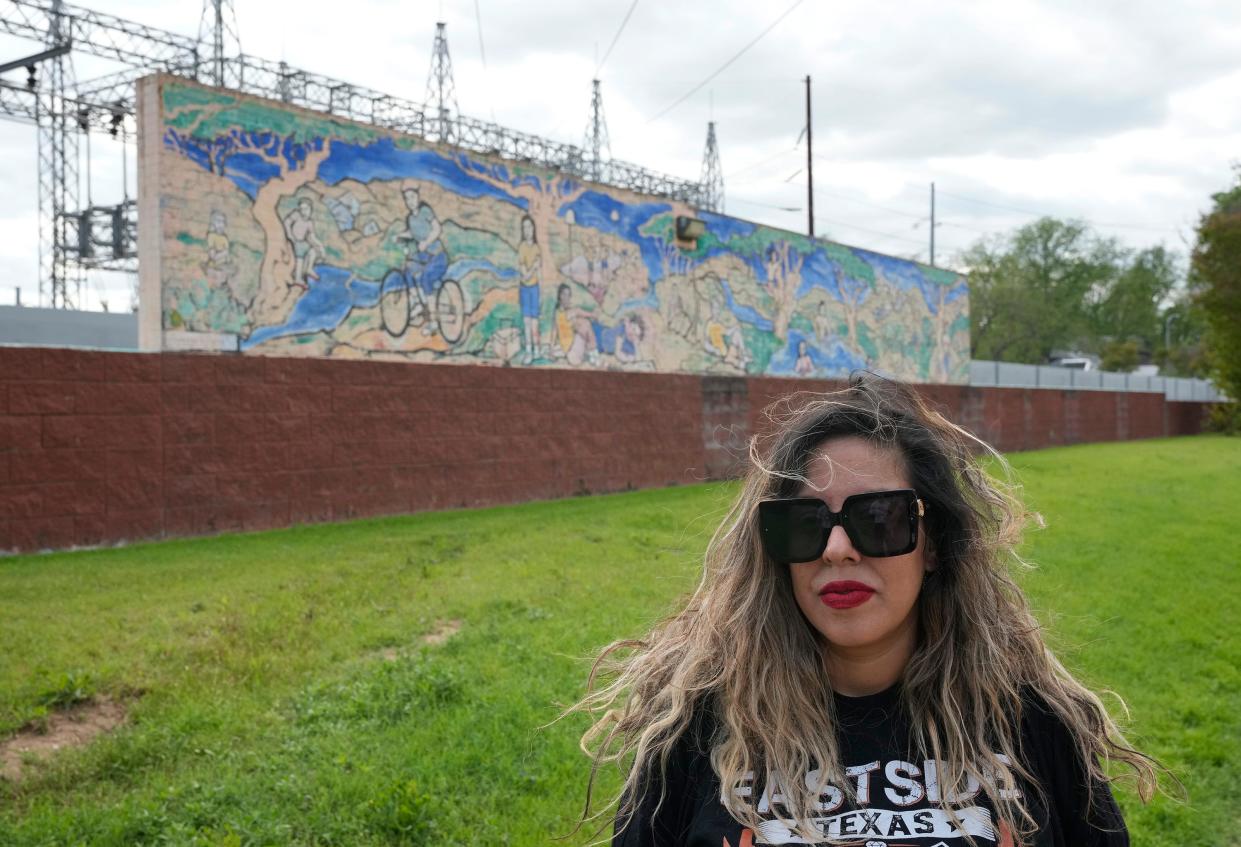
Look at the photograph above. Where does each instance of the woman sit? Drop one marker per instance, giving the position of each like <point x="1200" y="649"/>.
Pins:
<point x="856" y="666"/>
<point x="529" y="267"/>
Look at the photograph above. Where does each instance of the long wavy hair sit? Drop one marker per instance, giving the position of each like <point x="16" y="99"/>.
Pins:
<point x="742" y="651"/>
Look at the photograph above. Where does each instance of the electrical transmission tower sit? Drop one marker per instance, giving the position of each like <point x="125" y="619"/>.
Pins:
<point x="76" y="237"/>
<point x="712" y="179"/>
<point x="59" y="222"/>
<point x="597" y="137"/>
<point x="218" y="28"/>
<point x="440" y="104"/>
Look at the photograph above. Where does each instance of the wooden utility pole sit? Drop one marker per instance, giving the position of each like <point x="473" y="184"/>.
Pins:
<point x="809" y="163"/>
<point x="932" y="224"/>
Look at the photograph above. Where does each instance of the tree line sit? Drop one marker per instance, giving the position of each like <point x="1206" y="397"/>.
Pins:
<point x="1057" y="285"/>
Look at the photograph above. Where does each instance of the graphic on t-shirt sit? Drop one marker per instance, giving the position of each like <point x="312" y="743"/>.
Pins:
<point x="898" y="804"/>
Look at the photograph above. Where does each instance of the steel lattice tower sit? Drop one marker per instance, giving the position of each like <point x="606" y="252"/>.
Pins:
<point x="597" y="141"/>
<point x="218" y="28"/>
<point x="60" y="282"/>
<point x="440" y="104"/>
<point x="712" y="179"/>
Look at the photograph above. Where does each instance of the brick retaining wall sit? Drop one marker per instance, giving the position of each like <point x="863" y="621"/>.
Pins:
<point x="100" y="447"/>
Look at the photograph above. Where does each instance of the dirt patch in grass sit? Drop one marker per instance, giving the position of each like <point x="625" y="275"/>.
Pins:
<point x="440" y="633"/>
<point x="443" y="631"/>
<point x="73" y="727"/>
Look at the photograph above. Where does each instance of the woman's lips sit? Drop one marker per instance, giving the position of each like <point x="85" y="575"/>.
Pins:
<point x="845" y="594"/>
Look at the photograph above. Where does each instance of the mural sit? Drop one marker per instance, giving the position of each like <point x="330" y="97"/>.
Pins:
<point x="299" y="234"/>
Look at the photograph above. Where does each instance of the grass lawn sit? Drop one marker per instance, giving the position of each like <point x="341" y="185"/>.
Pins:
<point x="280" y="691"/>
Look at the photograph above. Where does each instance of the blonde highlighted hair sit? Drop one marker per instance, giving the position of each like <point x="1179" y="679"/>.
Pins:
<point x="742" y="651"/>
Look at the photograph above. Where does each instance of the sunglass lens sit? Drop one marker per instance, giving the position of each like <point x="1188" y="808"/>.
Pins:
<point x="792" y="530"/>
<point x="880" y="525"/>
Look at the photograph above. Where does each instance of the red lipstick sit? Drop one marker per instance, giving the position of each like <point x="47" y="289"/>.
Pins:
<point x="845" y="593"/>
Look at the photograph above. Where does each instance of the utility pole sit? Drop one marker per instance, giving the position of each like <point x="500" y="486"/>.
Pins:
<point x="809" y="162"/>
<point x="932" y="224"/>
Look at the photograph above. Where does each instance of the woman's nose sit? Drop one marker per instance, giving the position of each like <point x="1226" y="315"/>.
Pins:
<point x="839" y="548"/>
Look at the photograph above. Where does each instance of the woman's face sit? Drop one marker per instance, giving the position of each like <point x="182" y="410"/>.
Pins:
<point x="527" y="229"/>
<point x="864" y="607"/>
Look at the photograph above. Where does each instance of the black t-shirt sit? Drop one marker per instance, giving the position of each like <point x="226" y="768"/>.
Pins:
<point x="898" y="803"/>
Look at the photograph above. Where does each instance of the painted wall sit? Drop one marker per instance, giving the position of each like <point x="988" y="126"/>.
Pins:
<point x="286" y="232"/>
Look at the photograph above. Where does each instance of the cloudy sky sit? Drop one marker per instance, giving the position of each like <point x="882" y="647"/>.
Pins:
<point x="1125" y="114"/>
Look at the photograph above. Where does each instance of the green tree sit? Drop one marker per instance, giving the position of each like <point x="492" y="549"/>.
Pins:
<point x="1119" y="356"/>
<point x="1126" y="307"/>
<point x="1030" y="290"/>
<point x="1217" y="273"/>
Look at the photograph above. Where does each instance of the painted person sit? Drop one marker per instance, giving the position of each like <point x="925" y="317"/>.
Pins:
<point x="564" y="336"/>
<point x="805" y="365"/>
<point x="529" y="267"/>
<point x="428" y="260"/>
<point x="219" y="265"/>
<point x="299" y="228"/>
<point x="823" y="329"/>
<point x="620" y="340"/>
<point x="856" y="666"/>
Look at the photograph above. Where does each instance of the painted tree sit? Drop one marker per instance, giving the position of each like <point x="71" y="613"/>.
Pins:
<point x="783" y="280"/>
<point x="545" y="195"/>
<point x="267" y="154"/>
<point x="855" y="280"/>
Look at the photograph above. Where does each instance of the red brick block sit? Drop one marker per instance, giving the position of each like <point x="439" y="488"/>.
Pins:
<point x="249" y="457"/>
<point x="299" y="400"/>
<point x="305" y="508"/>
<point x="132" y="431"/>
<point x="285" y="370"/>
<point x="41" y="533"/>
<point x="20" y="433"/>
<point x="193" y="459"/>
<point x="177" y="398"/>
<point x="133" y="367"/>
<point x="251" y="488"/>
<point x="135" y="525"/>
<point x="20" y="502"/>
<point x="187" y="429"/>
<point x="259" y="517"/>
<point x="184" y="491"/>
<point x="128" y="494"/>
<point x="42" y="398"/>
<point x="186" y="521"/>
<point x="74" y="431"/>
<point x="310" y="453"/>
<point x="90" y="530"/>
<point x="233" y="369"/>
<point x="217" y="518"/>
<point x="35" y="466"/>
<point x="74" y="365"/>
<point x="21" y="363"/>
<point x="146" y="463"/>
<point x="112" y="398"/>
<point x="195" y="369"/>
<point x="255" y="427"/>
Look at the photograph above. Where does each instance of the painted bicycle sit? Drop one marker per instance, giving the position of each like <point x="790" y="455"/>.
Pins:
<point x="421" y="294"/>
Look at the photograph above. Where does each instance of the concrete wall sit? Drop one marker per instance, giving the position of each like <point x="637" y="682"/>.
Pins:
<point x="98" y="448"/>
<point x="67" y="327"/>
<point x="269" y="229"/>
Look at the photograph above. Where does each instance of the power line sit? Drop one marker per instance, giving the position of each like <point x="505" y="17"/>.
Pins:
<point x="478" y="18"/>
<point x="760" y="162"/>
<point x="766" y="205"/>
<point x="615" y="38"/>
<point x="724" y="66"/>
<point x="1022" y="211"/>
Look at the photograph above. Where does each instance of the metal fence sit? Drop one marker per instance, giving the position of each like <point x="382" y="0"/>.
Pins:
<point x="1011" y="375"/>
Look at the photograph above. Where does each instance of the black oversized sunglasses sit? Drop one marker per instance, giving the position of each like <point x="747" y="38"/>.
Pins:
<point x="878" y="523"/>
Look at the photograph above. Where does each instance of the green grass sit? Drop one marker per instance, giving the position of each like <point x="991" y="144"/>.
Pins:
<point x="266" y="708"/>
